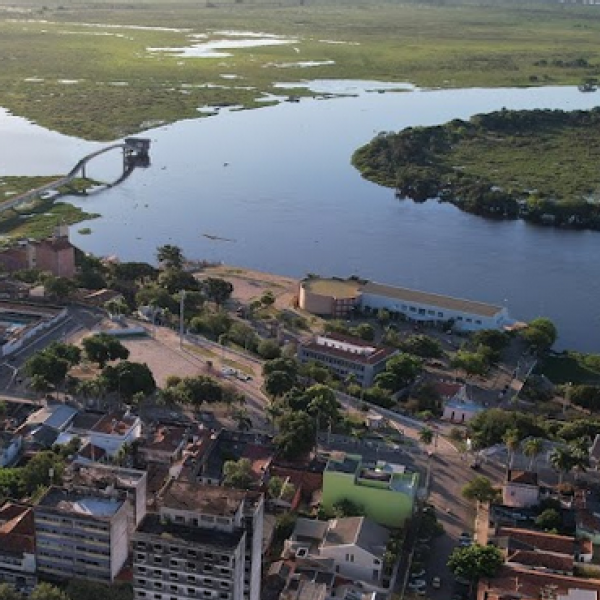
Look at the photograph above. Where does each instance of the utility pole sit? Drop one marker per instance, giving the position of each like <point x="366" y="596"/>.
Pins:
<point x="181" y="319"/>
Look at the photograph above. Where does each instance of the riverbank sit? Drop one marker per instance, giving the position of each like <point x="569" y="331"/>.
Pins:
<point x="105" y="70"/>
<point x="37" y="219"/>
<point x="538" y="165"/>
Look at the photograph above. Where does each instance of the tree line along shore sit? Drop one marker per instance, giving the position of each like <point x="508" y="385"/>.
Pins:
<point x="537" y="165"/>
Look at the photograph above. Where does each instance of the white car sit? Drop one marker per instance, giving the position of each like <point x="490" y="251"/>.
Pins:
<point x="436" y="583"/>
<point x="228" y="371"/>
<point x="417" y="584"/>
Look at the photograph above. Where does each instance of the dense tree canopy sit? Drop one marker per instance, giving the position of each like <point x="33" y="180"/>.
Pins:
<point x="474" y="562"/>
<point x="129" y="378"/>
<point x="296" y="434"/>
<point x="102" y="348"/>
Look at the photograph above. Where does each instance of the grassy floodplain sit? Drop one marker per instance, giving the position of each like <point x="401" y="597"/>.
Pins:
<point x="538" y="165"/>
<point x="82" y="69"/>
<point x="37" y="219"/>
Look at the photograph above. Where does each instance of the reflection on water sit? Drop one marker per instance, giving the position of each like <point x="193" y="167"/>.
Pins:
<point x="278" y="180"/>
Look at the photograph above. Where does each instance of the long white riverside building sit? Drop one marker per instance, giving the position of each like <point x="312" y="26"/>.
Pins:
<point x="338" y="297"/>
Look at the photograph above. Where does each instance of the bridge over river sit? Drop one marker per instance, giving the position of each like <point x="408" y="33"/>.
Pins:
<point x="135" y="154"/>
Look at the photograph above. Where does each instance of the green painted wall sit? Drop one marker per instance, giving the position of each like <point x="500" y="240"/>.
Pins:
<point x="386" y="507"/>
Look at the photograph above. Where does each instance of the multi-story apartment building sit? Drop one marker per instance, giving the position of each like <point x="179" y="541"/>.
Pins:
<point x="346" y="355"/>
<point x="81" y="533"/>
<point x="205" y="542"/>
<point x="17" y="547"/>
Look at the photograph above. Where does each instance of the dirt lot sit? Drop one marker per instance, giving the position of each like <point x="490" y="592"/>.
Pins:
<point x="250" y="285"/>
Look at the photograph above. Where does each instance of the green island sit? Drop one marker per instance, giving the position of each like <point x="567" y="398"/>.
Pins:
<point x="87" y="69"/>
<point x="535" y="165"/>
<point x="37" y="219"/>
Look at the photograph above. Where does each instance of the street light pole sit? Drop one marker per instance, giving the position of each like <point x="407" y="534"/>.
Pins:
<point x="181" y="319"/>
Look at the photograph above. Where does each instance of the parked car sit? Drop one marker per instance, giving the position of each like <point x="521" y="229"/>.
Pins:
<point x="436" y="583"/>
<point x="417" y="584"/>
<point x="418" y="574"/>
<point x="464" y="536"/>
<point x="228" y="371"/>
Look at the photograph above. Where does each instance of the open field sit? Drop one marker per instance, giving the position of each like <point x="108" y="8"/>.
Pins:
<point x="86" y="69"/>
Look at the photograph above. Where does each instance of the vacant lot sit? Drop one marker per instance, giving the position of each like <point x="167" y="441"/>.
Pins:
<point x="88" y="69"/>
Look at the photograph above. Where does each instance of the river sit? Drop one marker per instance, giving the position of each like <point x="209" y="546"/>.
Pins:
<point x="277" y="182"/>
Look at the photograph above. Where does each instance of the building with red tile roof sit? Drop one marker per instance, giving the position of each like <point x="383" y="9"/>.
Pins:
<point x="17" y="547"/>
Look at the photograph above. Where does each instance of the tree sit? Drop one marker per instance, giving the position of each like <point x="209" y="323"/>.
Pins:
<point x="102" y="348"/>
<point x="238" y="474"/>
<point x="562" y="460"/>
<point x="45" y="591"/>
<point x="540" y="334"/>
<point x="472" y="363"/>
<point x="348" y="508"/>
<point x="268" y="349"/>
<point x="170" y="256"/>
<point x="242" y="419"/>
<point x="47" y="366"/>
<point x="43" y="469"/>
<point x="322" y="404"/>
<point x="491" y="338"/>
<point x="532" y="448"/>
<point x="287" y="365"/>
<point x="68" y="352"/>
<point x="423" y="346"/>
<point x="481" y="489"/>
<point x="426" y="436"/>
<point x="474" y="562"/>
<point x="218" y="290"/>
<point x="129" y="378"/>
<point x="278" y="383"/>
<point x="8" y="592"/>
<point x="267" y="299"/>
<point x="275" y="487"/>
<point x="59" y="288"/>
<point x="400" y="371"/>
<point x="39" y="384"/>
<point x="79" y="589"/>
<point x="296" y="435"/>
<point x="364" y="331"/>
<point x="512" y="442"/>
<point x="549" y="520"/>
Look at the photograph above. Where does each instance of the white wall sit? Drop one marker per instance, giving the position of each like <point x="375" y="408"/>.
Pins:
<point x="519" y="495"/>
<point x="467" y="322"/>
<point x="119" y="541"/>
<point x="360" y="568"/>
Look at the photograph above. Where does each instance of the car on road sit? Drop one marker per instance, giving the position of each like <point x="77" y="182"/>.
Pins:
<point x="417" y="584"/>
<point x="436" y="583"/>
<point x="418" y="574"/>
<point x="228" y="371"/>
<point x="464" y="536"/>
<point x="243" y="377"/>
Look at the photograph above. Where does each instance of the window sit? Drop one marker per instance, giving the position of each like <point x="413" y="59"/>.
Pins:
<point x="431" y="312"/>
<point x="441" y="315"/>
<point x="375" y="573"/>
<point x="157" y="547"/>
<point x="478" y="321"/>
<point x="469" y="320"/>
<point x="459" y="318"/>
<point x="421" y="311"/>
<point x="412" y="309"/>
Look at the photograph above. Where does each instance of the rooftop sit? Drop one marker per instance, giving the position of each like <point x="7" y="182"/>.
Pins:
<point x="337" y="288"/>
<point x="549" y="542"/>
<point x="523" y="477"/>
<point x="433" y="300"/>
<point x="114" y="424"/>
<point x="17" y="530"/>
<point x="205" y="499"/>
<point x="542" y="560"/>
<point x="528" y="584"/>
<point x="56" y="416"/>
<point x="82" y="503"/>
<point x="359" y="531"/>
<point x="153" y="524"/>
<point x="347" y="464"/>
<point x="350" y="348"/>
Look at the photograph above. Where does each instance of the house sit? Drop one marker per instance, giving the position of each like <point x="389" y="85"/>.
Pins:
<point x="520" y="489"/>
<point x="353" y="547"/>
<point x="345" y="355"/>
<point x="234" y="445"/>
<point x="55" y="416"/>
<point x="386" y="492"/>
<point x="460" y="408"/>
<point x="107" y="431"/>
<point x="164" y="443"/>
<point x="10" y="448"/>
<point x="525" y="584"/>
<point x="17" y="547"/>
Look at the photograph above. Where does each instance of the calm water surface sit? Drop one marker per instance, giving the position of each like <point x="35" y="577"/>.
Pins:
<point x="278" y="182"/>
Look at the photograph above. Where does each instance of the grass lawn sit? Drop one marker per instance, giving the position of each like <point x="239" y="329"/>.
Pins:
<point x="568" y="368"/>
<point x="86" y="69"/>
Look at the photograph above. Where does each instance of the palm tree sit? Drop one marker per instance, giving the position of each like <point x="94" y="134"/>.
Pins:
<point x="532" y="449"/>
<point x="562" y="460"/>
<point x="580" y="453"/>
<point x="513" y="443"/>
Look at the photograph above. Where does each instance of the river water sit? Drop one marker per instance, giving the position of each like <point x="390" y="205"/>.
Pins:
<point x="278" y="184"/>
